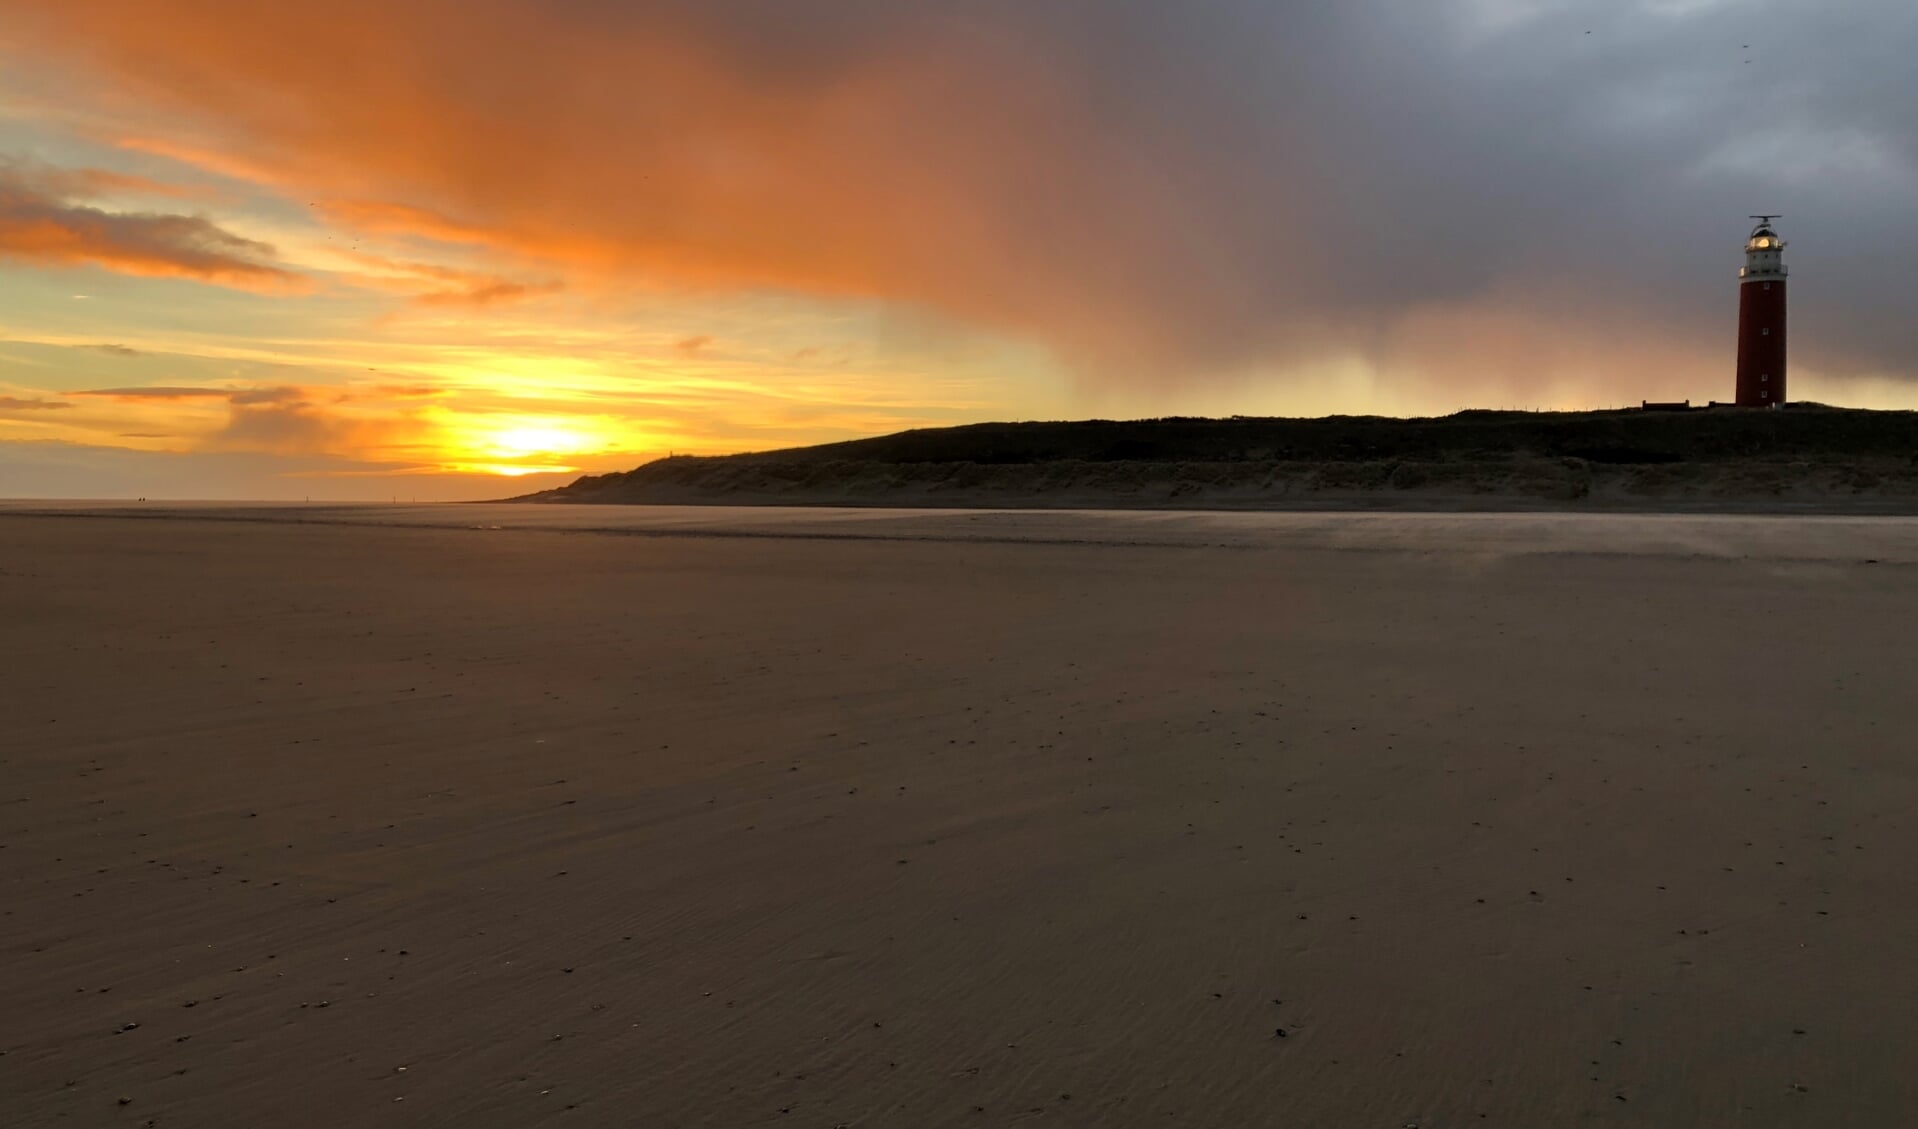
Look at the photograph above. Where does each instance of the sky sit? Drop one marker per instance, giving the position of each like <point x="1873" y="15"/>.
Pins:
<point x="455" y="249"/>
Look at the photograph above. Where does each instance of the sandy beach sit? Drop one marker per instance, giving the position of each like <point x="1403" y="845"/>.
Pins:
<point x="599" y="816"/>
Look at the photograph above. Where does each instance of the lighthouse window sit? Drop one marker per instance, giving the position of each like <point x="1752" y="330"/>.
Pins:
<point x="1766" y="332"/>
<point x="1764" y="395"/>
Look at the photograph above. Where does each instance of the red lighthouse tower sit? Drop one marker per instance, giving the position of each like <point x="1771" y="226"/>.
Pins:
<point x="1761" y="319"/>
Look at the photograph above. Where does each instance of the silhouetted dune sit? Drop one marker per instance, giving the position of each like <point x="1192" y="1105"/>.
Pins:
<point x="1804" y="457"/>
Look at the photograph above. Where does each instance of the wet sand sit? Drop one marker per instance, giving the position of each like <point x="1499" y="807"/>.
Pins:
<point x="505" y="816"/>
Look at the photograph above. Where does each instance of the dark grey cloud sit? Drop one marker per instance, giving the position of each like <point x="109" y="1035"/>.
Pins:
<point x="1159" y="190"/>
<point x="1243" y="183"/>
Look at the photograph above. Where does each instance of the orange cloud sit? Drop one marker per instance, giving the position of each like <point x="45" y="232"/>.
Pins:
<point x="156" y="392"/>
<point x="102" y="182"/>
<point x="482" y="290"/>
<point x="83" y="183"/>
<point x="199" y="156"/>
<point x="645" y="142"/>
<point x="17" y="404"/>
<point x="434" y="285"/>
<point x="40" y="223"/>
<point x="1152" y="187"/>
<point x="387" y="218"/>
<point x="287" y="421"/>
<point x="283" y="419"/>
<point x="409" y="391"/>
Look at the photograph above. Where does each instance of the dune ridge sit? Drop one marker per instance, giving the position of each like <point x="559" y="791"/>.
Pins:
<point x="1806" y="459"/>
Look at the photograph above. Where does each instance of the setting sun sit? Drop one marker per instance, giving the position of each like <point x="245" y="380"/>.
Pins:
<point x="516" y="446"/>
<point x="524" y="440"/>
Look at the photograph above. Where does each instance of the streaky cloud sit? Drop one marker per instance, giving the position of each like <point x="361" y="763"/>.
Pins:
<point x="42" y="222"/>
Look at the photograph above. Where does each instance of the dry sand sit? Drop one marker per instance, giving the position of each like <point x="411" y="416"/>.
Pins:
<point x="323" y="817"/>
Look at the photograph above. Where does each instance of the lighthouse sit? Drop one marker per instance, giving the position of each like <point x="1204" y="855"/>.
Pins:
<point x="1761" y="319"/>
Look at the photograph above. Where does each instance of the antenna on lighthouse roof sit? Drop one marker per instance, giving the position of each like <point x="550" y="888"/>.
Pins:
<point x="1766" y="219"/>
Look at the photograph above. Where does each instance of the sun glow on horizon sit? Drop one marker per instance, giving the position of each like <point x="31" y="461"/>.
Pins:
<point x="547" y="438"/>
<point x="515" y="446"/>
<point x="506" y="470"/>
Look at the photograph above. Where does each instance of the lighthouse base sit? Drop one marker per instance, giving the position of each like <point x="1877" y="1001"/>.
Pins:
<point x="1761" y="344"/>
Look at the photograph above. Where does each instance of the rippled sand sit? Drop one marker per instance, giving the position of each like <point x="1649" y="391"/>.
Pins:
<point x="502" y="816"/>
